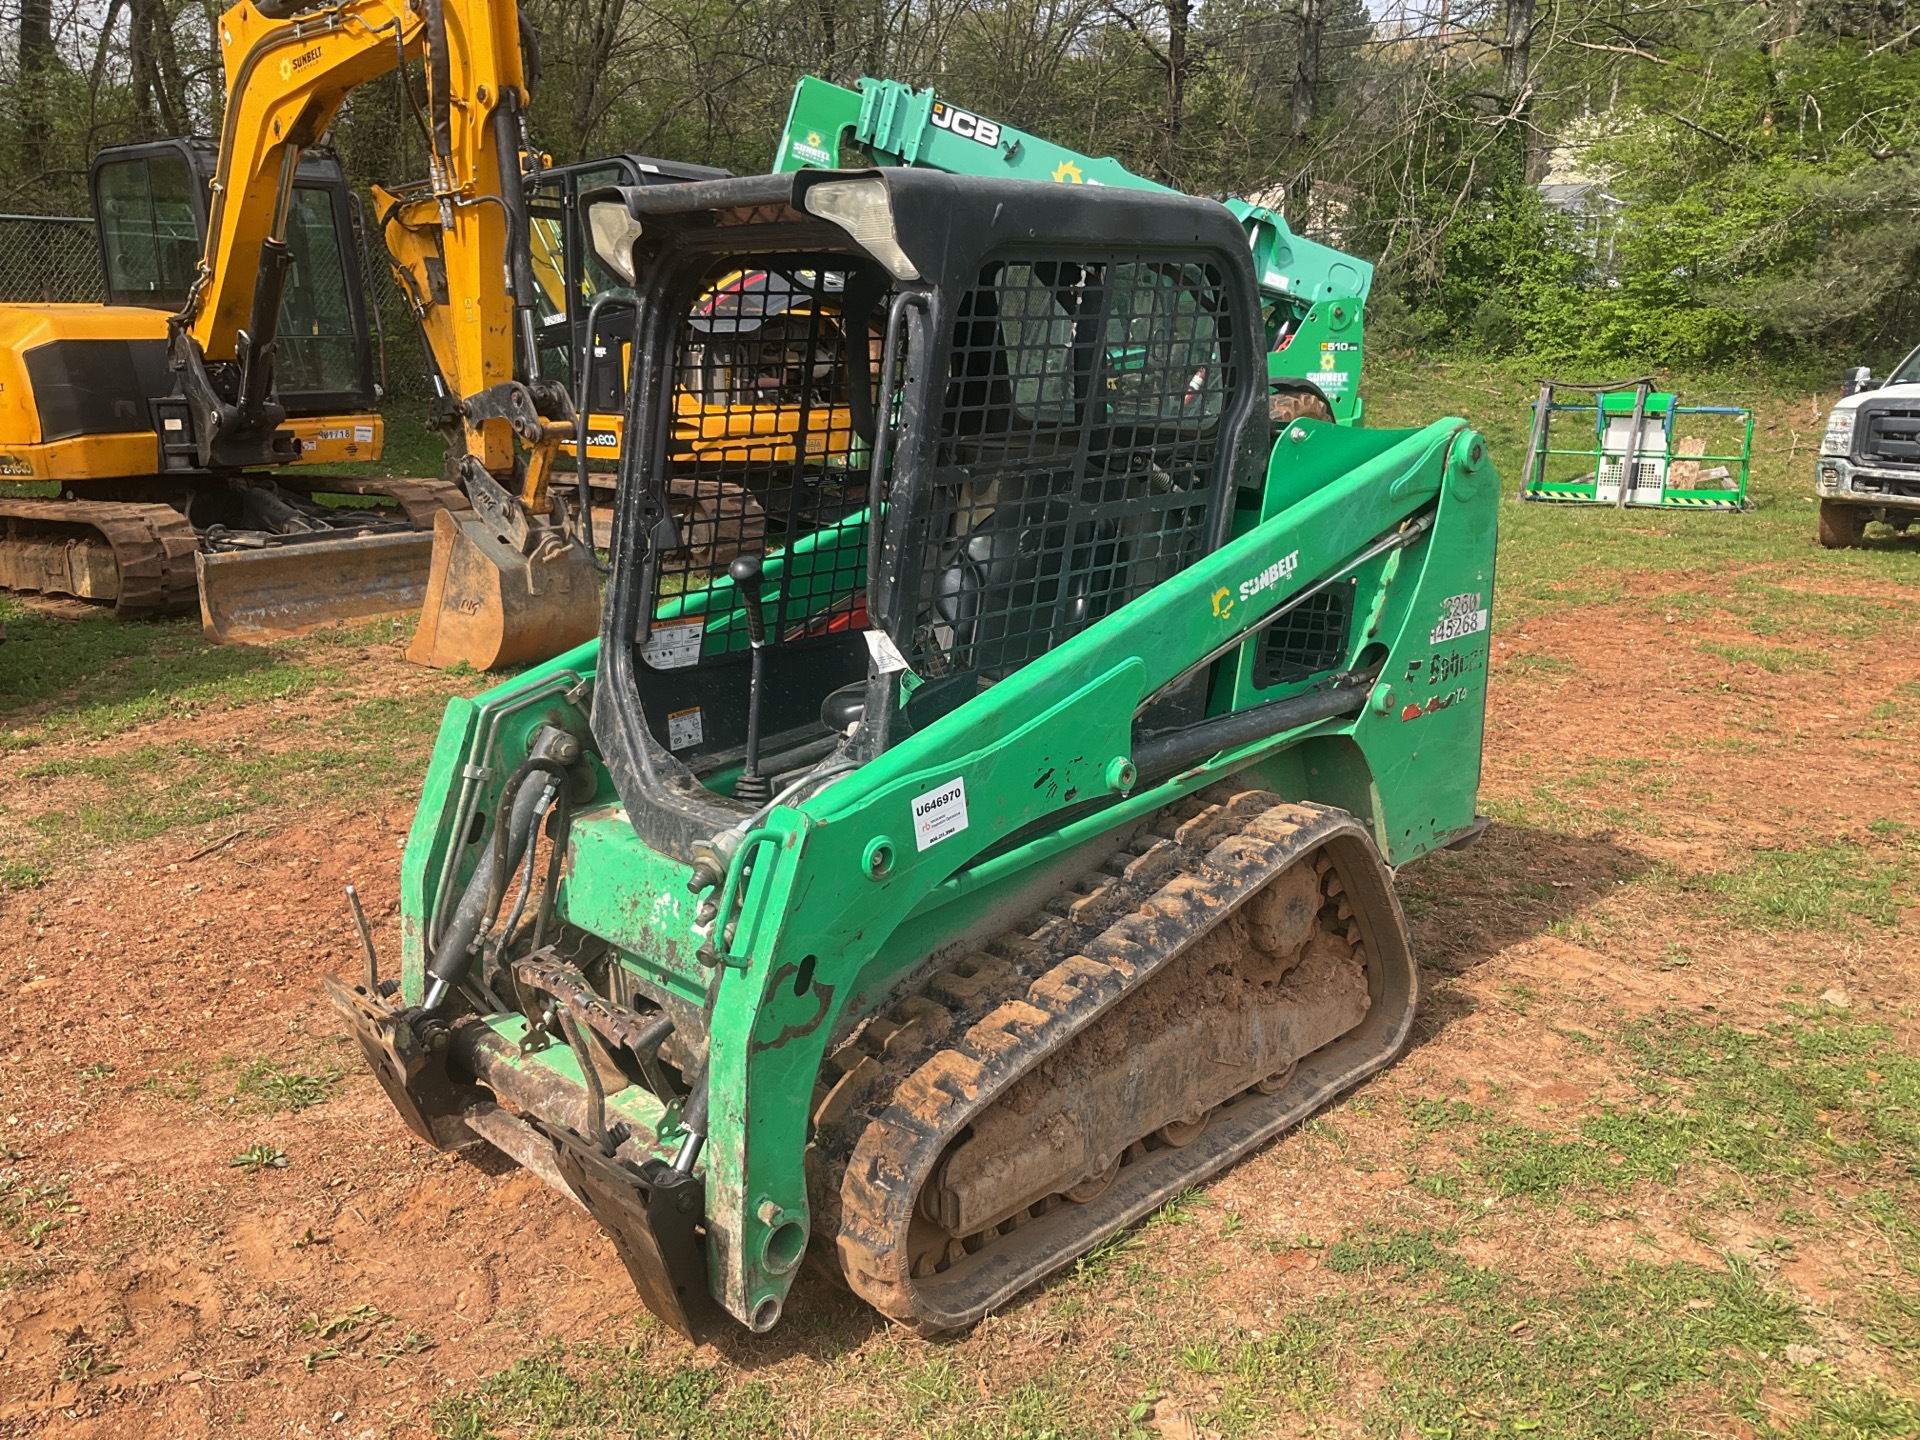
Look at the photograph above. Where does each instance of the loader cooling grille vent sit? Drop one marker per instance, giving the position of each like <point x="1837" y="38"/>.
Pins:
<point x="1074" y="460"/>
<point x="1308" y="640"/>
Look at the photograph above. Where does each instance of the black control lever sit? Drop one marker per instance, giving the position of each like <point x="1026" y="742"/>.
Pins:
<point x="752" y="786"/>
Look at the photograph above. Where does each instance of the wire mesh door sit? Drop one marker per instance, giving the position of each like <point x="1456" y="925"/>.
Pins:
<point x="769" y="454"/>
<point x="1077" y="464"/>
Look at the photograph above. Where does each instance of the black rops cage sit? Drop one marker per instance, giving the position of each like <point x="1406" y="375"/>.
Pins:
<point x="1057" y="420"/>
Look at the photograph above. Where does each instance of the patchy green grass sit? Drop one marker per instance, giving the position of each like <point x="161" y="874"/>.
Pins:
<point x="1774" y="659"/>
<point x="1816" y="1092"/>
<point x="1828" y="886"/>
<point x="271" y="1088"/>
<point x="366" y="750"/>
<point x="258" y="1157"/>
<point x="31" y="1211"/>
<point x="95" y="677"/>
<point x="599" y="1390"/>
<point x="1554" y="556"/>
<point x="246" y="1087"/>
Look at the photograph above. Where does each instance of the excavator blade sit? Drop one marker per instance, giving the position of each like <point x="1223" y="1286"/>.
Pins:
<point x="489" y="605"/>
<point x="257" y="595"/>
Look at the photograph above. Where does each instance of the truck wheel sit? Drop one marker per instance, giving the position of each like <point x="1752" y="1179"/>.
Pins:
<point x="1288" y="403"/>
<point x="1841" y="526"/>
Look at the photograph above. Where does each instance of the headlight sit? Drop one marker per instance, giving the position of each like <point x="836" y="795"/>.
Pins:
<point x="864" y="209"/>
<point x="1839" y="437"/>
<point x="614" y="231"/>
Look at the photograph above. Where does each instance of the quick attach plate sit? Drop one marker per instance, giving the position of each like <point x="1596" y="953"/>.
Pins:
<point x="652" y="1213"/>
<point x="413" y="1075"/>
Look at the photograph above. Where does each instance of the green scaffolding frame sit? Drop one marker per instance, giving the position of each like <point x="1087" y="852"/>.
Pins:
<point x="1631" y="418"/>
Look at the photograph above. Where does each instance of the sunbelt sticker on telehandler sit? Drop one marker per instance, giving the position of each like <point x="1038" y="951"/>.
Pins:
<point x="940" y="814"/>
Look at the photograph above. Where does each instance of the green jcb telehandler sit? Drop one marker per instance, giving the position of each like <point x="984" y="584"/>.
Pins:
<point x="1009" y="847"/>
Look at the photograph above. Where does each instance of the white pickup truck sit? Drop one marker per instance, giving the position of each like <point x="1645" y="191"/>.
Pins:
<point x="1869" y="465"/>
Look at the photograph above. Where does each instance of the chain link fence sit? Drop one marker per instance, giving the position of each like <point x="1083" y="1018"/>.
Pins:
<point x="49" y="259"/>
<point x="400" y="357"/>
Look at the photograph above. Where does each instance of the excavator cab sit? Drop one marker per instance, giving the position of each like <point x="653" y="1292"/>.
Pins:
<point x="573" y="280"/>
<point x="150" y="206"/>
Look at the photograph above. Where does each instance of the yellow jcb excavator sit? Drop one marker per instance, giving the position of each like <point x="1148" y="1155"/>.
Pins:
<point x="177" y="419"/>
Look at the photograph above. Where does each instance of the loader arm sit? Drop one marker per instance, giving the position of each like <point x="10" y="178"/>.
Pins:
<point x="1313" y="294"/>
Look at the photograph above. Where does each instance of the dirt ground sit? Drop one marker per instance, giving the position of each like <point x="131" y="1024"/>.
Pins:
<point x="351" y="1277"/>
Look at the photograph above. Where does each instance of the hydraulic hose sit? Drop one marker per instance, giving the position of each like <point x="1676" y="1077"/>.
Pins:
<point x="693" y="1120"/>
<point x="521" y="801"/>
<point x="440" y="85"/>
<point x="513" y="196"/>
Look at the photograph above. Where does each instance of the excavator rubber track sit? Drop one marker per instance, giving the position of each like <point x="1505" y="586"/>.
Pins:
<point x="1047" y="1030"/>
<point x="139" y="556"/>
<point x="142" y="556"/>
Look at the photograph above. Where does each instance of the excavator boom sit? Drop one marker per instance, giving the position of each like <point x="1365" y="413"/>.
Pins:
<point x="243" y="378"/>
<point x="504" y="585"/>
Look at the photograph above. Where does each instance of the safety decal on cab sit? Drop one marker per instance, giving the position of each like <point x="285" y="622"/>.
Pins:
<point x="940" y="814"/>
<point x="684" y="729"/>
<point x="1460" y="615"/>
<point x="966" y="124"/>
<point x="674" y="644"/>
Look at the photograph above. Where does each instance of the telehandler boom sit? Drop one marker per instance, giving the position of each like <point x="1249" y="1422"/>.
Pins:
<point x="1012" y="847"/>
<point x="1313" y="297"/>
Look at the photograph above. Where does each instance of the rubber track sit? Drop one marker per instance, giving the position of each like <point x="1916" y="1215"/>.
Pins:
<point x="894" y="1099"/>
<point x="152" y="547"/>
<point x="419" y="500"/>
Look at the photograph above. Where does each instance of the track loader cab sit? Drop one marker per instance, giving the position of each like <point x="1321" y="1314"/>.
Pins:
<point x="1005" y="846"/>
<point x="573" y="280"/>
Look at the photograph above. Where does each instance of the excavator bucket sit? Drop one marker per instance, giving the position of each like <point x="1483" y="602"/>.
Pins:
<point x="491" y="605"/>
<point x="257" y="595"/>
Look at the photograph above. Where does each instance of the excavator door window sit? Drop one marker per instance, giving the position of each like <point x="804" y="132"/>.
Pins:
<point x="151" y="201"/>
<point x="150" y="228"/>
<point x="319" y="349"/>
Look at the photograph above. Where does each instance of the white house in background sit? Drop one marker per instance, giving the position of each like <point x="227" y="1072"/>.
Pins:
<point x="1582" y="196"/>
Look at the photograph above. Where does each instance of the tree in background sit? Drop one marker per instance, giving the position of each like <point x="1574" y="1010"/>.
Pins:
<point x="1754" y="165"/>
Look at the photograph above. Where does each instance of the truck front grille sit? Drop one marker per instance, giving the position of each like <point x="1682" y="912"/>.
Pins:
<point x="1891" y="436"/>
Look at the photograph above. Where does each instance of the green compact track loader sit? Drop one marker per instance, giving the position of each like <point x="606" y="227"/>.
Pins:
<point x="1006" y="847"/>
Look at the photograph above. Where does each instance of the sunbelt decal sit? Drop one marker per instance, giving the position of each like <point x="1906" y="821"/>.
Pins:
<point x="1281" y="569"/>
<point x="813" y="150"/>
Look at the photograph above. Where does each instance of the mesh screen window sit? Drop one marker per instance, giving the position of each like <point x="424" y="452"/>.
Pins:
<point x="765" y="453"/>
<point x="1076" y="455"/>
<point x="1308" y="640"/>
